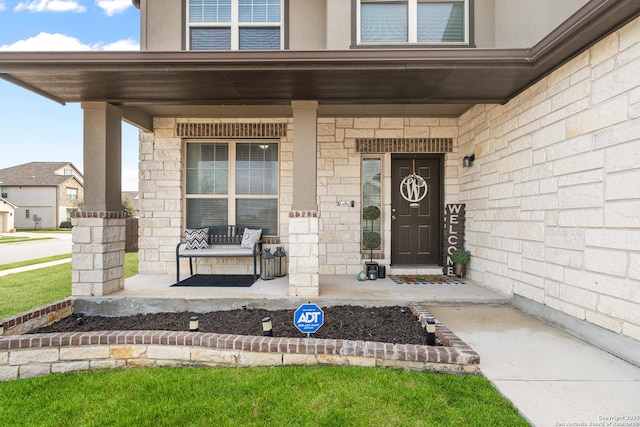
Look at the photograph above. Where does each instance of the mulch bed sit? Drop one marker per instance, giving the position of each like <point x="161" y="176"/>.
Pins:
<point x="393" y="324"/>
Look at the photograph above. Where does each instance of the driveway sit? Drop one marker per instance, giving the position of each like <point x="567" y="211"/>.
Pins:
<point x="57" y="244"/>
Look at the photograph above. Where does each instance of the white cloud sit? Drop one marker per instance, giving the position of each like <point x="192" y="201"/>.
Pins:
<point x="50" y="6"/>
<point x="112" y="7"/>
<point x="126" y="44"/>
<point x="61" y="42"/>
<point x="2" y="6"/>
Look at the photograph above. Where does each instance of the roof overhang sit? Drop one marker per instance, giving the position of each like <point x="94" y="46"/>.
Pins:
<point x="423" y="82"/>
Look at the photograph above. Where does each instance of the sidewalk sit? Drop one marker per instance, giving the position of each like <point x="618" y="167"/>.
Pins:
<point x="552" y="378"/>
<point x="34" y="266"/>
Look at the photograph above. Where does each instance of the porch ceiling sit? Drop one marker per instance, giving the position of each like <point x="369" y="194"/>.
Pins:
<point x="426" y="82"/>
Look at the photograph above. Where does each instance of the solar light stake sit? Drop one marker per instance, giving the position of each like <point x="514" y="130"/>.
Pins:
<point x="193" y="324"/>
<point x="431" y="331"/>
<point x="267" y="328"/>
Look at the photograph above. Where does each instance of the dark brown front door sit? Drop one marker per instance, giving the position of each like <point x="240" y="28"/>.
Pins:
<point x="416" y="217"/>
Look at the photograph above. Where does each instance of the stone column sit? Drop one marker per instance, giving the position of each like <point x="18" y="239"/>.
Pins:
<point x="99" y="229"/>
<point x="98" y="253"/>
<point x="303" y="219"/>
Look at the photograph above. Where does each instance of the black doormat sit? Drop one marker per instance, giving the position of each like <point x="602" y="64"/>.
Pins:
<point x="217" y="280"/>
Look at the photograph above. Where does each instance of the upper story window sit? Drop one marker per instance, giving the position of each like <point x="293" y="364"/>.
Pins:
<point x="235" y="24"/>
<point x="4" y="192"/>
<point x="413" y="22"/>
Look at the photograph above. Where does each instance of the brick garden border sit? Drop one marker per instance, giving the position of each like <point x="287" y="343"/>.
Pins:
<point x="26" y="356"/>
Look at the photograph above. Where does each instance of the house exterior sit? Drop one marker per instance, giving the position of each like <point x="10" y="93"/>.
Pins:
<point x="44" y="193"/>
<point x="7" y="210"/>
<point x="509" y="129"/>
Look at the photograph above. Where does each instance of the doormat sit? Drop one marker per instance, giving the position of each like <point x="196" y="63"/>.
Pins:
<point x="218" y="280"/>
<point x="425" y="279"/>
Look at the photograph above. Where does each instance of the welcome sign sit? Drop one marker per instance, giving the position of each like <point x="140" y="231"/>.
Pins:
<point x="453" y="234"/>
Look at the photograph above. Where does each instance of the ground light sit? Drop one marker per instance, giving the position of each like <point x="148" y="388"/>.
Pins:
<point x="193" y="324"/>
<point x="431" y="331"/>
<point x="267" y="327"/>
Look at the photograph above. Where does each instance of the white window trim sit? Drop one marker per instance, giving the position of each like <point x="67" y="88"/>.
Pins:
<point x="235" y="25"/>
<point x="412" y="22"/>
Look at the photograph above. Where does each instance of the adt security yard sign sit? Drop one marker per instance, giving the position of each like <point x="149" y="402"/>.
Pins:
<point x="308" y="318"/>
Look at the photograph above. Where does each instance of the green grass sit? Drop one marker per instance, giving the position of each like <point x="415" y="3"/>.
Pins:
<point x="33" y="262"/>
<point x="290" y="396"/>
<point x="43" y="230"/>
<point x="16" y="239"/>
<point x="21" y="292"/>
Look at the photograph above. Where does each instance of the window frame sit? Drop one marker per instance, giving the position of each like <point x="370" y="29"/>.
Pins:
<point x="72" y="193"/>
<point x="364" y="225"/>
<point x="235" y="25"/>
<point x="412" y="25"/>
<point x="232" y="195"/>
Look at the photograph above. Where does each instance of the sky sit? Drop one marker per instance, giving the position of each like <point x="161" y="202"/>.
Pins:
<point x="35" y="128"/>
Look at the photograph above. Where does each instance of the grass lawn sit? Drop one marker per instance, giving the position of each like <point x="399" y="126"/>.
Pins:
<point x="20" y="292"/>
<point x="33" y="261"/>
<point x="16" y="239"/>
<point x="290" y="396"/>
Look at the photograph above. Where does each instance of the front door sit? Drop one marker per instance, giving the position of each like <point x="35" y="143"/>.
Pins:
<point x="416" y="210"/>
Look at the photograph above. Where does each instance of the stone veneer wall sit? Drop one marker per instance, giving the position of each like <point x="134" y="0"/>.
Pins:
<point x="553" y="197"/>
<point x="339" y="178"/>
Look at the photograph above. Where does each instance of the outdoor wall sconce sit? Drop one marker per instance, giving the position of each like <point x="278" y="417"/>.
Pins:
<point x="267" y="265"/>
<point x="267" y="327"/>
<point x="280" y="266"/>
<point x="431" y="331"/>
<point x="193" y="324"/>
<point x="468" y="160"/>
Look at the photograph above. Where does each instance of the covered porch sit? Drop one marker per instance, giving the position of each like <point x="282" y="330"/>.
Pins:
<point x="146" y="293"/>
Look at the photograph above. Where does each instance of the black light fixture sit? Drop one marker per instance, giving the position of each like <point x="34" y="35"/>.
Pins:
<point x="468" y="160"/>
<point x="193" y="324"/>
<point x="431" y="331"/>
<point x="267" y="327"/>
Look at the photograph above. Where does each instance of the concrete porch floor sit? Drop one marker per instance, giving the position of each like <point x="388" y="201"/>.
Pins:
<point x="158" y="295"/>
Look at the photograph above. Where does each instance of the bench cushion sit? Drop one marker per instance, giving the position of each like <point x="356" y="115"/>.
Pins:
<point x="197" y="238"/>
<point x="218" y="252"/>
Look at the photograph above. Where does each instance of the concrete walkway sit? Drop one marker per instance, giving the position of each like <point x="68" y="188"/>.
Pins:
<point x="552" y="378"/>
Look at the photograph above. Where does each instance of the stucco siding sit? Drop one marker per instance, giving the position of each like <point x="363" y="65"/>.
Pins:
<point x="552" y="196"/>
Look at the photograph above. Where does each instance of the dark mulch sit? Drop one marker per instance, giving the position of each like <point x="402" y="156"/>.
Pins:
<point x="381" y="324"/>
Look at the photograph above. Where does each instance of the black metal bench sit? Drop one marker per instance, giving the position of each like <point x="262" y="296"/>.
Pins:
<point x="224" y="242"/>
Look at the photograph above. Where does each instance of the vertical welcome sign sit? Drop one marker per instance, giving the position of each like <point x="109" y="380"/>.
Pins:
<point x="453" y="234"/>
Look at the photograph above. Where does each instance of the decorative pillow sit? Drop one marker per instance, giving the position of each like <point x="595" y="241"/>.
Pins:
<point x="197" y="238"/>
<point x="250" y="237"/>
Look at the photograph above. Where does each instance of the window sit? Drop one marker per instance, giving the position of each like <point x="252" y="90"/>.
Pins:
<point x="68" y="172"/>
<point x="4" y="192"/>
<point x="413" y="21"/>
<point x="371" y="192"/>
<point x="235" y="24"/>
<point x="27" y="213"/>
<point x="233" y="183"/>
<point x="72" y="194"/>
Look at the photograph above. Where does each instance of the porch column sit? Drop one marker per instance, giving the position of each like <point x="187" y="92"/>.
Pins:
<point x="303" y="219"/>
<point x="99" y="229"/>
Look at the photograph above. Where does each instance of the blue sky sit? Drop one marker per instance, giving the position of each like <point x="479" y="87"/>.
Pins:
<point x="35" y="128"/>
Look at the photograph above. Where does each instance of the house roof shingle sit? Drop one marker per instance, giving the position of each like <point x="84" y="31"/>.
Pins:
<point x="39" y="174"/>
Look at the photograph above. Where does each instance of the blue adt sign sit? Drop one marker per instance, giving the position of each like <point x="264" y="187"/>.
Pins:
<point x="308" y="318"/>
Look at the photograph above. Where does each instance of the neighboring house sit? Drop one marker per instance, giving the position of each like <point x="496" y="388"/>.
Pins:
<point x="294" y="115"/>
<point x="7" y="215"/>
<point x="44" y="193"/>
